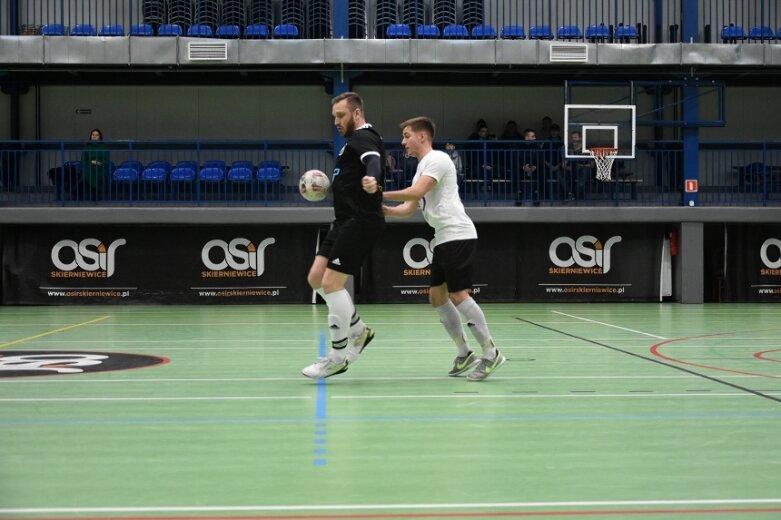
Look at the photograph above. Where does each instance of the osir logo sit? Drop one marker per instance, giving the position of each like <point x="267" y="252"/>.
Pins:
<point x="770" y="253"/>
<point x="418" y="253"/>
<point x="239" y="254"/>
<point x="25" y="363"/>
<point x="89" y="255"/>
<point x="586" y="251"/>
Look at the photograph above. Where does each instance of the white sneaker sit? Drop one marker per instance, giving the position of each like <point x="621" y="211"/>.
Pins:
<point x="358" y="344"/>
<point x="324" y="368"/>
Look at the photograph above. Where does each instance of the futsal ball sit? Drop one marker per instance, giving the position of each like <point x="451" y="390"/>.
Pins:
<point x="314" y="185"/>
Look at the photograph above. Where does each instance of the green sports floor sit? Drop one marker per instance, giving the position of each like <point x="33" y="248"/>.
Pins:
<point x="618" y="411"/>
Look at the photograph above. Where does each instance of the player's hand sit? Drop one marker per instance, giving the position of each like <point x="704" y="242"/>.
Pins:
<point x="369" y="184"/>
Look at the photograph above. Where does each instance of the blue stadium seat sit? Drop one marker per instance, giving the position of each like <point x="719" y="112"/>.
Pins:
<point x="732" y="33"/>
<point x="171" y="29"/>
<point x="128" y="171"/>
<point x="398" y="30"/>
<point x="212" y="171"/>
<point x="257" y="31"/>
<point x="626" y="33"/>
<point x="455" y="32"/>
<point x="228" y="32"/>
<point x="569" y="32"/>
<point x="184" y="171"/>
<point x="241" y="171"/>
<point x="598" y="33"/>
<point x="200" y="31"/>
<point x="540" y="32"/>
<point x="286" y="31"/>
<point x="483" y="32"/>
<point x="141" y="29"/>
<point x="513" y="32"/>
<point x="84" y="29"/>
<point x="270" y="175"/>
<point x="53" y="29"/>
<point x="427" y="32"/>
<point x="112" y="30"/>
<point x="761" y="33"/>
<point x="156" y="171"/>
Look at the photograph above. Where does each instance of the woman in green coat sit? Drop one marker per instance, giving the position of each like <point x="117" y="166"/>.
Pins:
<point x="95" y="170"/>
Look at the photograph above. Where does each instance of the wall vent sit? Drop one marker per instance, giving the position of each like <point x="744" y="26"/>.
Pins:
<point x="568" y="53"/>
<point x="199" y="51"/>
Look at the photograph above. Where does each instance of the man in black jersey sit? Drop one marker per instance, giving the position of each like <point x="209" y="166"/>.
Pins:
<point x="358" y="223"/>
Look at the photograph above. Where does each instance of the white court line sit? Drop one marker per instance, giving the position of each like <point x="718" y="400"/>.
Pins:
<point x="381" y="397"/>
<point x="73" y="381"/>
<point x="359" y="507"/>
<point x="608" y="325"/>
<point x="550" y="396"/>
<point x="112" y="399"/>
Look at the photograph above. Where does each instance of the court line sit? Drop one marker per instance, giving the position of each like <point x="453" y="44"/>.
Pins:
<point x="391" y="507"/>
<point x="546" y="396"/>
<point x="654" y="360"/>
<point x="61" y="329"/>
<point x="608" y="325"/>
<point x="190" y="398"/>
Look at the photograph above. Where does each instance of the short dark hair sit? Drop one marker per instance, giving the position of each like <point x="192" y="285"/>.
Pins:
<point x="353" y="100"/>
<point x="420" y="124"/>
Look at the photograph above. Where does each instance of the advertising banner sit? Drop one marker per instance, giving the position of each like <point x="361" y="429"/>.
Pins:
<point x="589" y="262"/>
<point x="753" y="272"/>
<point x="399" y="268"/>
<point x="156" y="264"/>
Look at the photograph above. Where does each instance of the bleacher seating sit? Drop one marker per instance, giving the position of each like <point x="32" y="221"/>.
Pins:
<point x="398" y="30"/>
<point x="200" y="31"/>
<point x="761" y="33"/>
<point x="228" y="31"/>
<point x="456" y="32"/>
<point x="569" y="32"/>
<point x="112" y="30"/>
<point x="598" y="33"/>
<point x="626" y="33"/>
<point x="483" y="32"/>
<point x="53" y="29"/>
<point x="83" y="29"/>
<point x="513" y="32"/>
<point x="171" y="29"/>
<point x="428" y="32"/>
<point x="540" y="32"/>
<point x="732" y="33"/>
<point x="257" y="31"/>
<point x="286" y="31"/>
<point x="142" y="29"/>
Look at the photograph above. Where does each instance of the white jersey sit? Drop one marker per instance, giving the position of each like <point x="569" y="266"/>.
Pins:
<point x="442" y="207"/>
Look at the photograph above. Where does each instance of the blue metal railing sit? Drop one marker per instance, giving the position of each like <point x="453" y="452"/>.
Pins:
<point x="653" y="21"/>
<point x="493" y="173"/>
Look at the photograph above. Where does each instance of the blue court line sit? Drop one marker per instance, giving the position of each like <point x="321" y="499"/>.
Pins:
<point x="320" y="411"/>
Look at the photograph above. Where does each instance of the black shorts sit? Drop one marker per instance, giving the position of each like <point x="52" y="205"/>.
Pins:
<point x="452" y="264"/>
<point x="348" y="243"/>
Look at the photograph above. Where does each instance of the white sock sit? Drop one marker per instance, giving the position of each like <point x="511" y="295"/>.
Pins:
<point x="321" y="292"/>
<point x="339" y="311"/>
<point x="477" y="325"/>
<point x="357" y="325"/>
<point x="449" y="317"/>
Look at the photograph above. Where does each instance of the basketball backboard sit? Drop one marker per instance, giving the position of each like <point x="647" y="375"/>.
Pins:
<point x="611" y="126"/>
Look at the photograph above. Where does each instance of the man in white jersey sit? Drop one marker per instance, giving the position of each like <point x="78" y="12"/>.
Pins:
<point x="434" y="190"/>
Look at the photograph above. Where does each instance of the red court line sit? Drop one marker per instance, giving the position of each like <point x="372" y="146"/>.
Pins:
<point x="484" y="514"/>
<point x="656" y="346"/>
<point x="761" y="355"/>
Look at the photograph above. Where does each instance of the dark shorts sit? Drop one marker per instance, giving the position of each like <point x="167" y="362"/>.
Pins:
<point x="452" y="264"/>
<point x="348" y="243"/>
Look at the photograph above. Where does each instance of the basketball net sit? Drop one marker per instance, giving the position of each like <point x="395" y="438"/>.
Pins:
<point x="604" y="158"/>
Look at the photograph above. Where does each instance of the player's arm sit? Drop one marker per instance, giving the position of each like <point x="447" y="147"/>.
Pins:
<point x="414" y="193"/>
<point x="371" y="181"/>
<point x="403" y="210"/>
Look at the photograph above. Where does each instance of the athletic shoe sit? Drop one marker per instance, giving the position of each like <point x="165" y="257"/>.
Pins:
<point x="463" y="363"/>
<point x="486" y="367"/>
<point x="359" y="343"/>
<point x="324" y="368"/>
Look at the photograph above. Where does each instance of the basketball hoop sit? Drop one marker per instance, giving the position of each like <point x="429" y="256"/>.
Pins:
<point x="603" y="156"/>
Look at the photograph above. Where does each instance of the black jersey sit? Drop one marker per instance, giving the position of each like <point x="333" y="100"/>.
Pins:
<point x="350" y="201"/>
